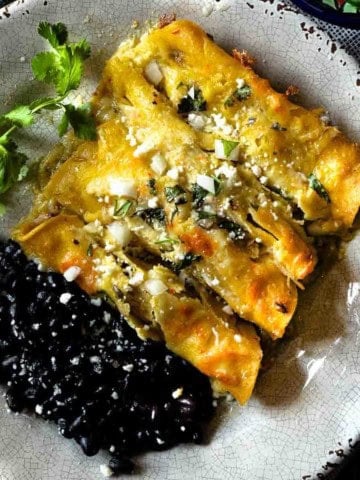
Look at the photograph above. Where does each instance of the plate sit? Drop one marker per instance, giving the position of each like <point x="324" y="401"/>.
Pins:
<point x="304" y="416"/>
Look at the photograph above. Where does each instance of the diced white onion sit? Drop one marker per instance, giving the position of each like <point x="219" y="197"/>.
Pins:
<point x="191" y="92"/>
<point x="72" y="273"/>
<point x="196" y="121"/>
<point x="206" y="182"/>
<point x="155" y="286"/>
<point x="220" y="151"/>
<point x="122" y="187"/>
<point x="120" y="232"/>
<point x="153" y="73"/>
<point x="158" y="164"/>
<point x="240" y="83"/>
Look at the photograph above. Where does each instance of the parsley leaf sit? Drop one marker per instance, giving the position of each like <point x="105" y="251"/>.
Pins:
<point x="239" y="94"/>
<point x="81" y="119"/>
<point x="193" y="102"/>
<point x="55" y="34"/>
<point x="319" y="188"/>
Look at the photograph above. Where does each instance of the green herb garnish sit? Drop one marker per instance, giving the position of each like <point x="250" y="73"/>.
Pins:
<point x="198" y="195"/>
<point x="318" y="187"/>
<point x="152" y="186"/>
<point x="189" y="259"/>
<point x="175" y="194"/>
<point x="236" y="232"/>
<point x="90" y="250"/>
<point x="229" y="146"/>
<point x="167" y="241"/>
<point x="121" y="207"/>
<point x="62" y="67"/>
<point x="239" y="94"/>
<point x="189" y="104"/>
<point x="152" y="216"/>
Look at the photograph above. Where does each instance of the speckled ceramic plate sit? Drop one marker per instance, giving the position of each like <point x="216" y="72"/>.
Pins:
<point x="304" y="416"/>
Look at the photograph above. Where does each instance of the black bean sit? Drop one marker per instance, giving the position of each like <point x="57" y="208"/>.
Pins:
<point x="81" y="366"/>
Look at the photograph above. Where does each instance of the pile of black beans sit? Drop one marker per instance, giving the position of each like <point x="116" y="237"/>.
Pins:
<point x="72" y="359"/>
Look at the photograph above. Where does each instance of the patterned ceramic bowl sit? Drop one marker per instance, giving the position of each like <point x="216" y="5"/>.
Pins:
<point x="340" y="12"/>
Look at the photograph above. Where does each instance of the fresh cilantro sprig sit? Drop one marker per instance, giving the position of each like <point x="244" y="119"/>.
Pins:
<point x="62" y="67"/>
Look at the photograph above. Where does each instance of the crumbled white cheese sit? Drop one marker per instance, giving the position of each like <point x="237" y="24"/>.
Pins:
<point x="65" y="297"/>
<point x="128" y="368"/>
<point x="196" y="120"/>
<point x="115" y="395"/>
<point x="222" y="124"/>
<point x="155" y="286"/>
<point x="153" y="72"/>
<point x="263" y="179"/>
<point x="153" y="202"/>
<point x="96" y="301"/>
<point x="130" y="137"/>
<point x="39" y="409"/>
<point x="137" y="279"/>
<point x="237" y="338"/>
<point x="72" y="273"/>
<point x="94" y="228"/>
<point x="158" y="163"/>
<point x="227" y="170"/>
<point x="174" y="172"/>
<point x="240" y="82"/>
<point x="177" y="393"/>
<point x="256" y="170"/>
<point x="144" y="147"/>
<point x="111" y="185"/>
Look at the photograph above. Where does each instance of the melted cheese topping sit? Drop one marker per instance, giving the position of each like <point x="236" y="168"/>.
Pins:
<point x="199" y="165"/>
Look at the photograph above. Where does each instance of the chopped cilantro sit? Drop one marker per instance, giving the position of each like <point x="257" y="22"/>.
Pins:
<point x="198" y="195"/>
<point x="167" y="241"/>
<point x="90" y="250"/>
<point x="203" y="215"/>
<point x="229" y="146"/>
<point x="189" y="104"/>
<point x="122" y="208"/>
<point x="152" y="216"/>
<point x="315" y="184"/>
<point x="175" y="194"/>
<point x="239" y="94"/>
<point x="152" y="186"/>
<point x="62" y="67"/>
<point x="189" y="259"/>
